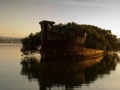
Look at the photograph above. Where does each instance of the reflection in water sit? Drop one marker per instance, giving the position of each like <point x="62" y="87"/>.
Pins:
<point x="30" y="67"/>
<point x="107" y="64"/>
<point x="68" y="74"/>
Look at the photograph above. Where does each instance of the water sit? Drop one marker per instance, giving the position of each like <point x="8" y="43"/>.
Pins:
<point x="10" y="68"/>
<point x="28" y="73"/>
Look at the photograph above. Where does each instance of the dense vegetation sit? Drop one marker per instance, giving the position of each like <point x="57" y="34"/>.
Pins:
<point x="31" y="44"/>
<point x="97" y="38"/>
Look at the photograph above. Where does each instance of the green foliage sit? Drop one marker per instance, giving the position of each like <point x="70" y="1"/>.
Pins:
<point x="97" y="38"/>
<point x="31" y="44"/>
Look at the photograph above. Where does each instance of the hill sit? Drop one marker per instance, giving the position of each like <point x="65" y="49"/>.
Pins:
<point x="9" y="40"/>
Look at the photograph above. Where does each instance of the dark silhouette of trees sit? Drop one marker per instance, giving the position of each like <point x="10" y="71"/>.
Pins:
<point x="31" y="44"/>
<point x="2" y="41"/>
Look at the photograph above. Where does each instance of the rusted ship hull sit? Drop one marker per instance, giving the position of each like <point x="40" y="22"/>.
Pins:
<point x="60" y="45"/>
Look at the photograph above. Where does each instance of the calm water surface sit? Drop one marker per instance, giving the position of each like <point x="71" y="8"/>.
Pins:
<point x="28" y="73"/>
<point x="10" y="69"/>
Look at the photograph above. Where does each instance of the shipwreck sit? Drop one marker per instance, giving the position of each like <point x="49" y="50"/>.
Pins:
<point x="61" y="45"/>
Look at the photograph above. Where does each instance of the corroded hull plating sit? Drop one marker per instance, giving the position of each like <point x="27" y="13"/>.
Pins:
<point x="60" y="45"/>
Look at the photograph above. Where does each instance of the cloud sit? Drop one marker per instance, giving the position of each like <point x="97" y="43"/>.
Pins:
<point x="85" y="3"/>
<point x="81" y="2"/>
<point x="73" y="1"/>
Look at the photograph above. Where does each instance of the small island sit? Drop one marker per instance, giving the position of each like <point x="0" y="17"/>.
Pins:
<point x="96" y="41"/>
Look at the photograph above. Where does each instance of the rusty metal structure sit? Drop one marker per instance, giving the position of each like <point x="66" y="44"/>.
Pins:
<point x="60" y="45"/>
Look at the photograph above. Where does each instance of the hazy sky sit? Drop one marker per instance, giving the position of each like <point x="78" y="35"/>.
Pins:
<point x="19" y="18"/>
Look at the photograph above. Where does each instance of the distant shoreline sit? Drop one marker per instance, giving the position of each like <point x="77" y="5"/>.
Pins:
<point x="10" y="43"/>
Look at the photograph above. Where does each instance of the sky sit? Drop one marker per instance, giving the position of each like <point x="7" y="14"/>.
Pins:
<point x="19" y="18"/>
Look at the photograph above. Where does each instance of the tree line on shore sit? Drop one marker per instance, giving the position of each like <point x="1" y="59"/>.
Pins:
<point x="9" y="40"/>
<point x="97" y="38"/>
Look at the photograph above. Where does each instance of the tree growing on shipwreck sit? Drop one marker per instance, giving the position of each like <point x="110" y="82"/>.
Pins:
<point x="97" y="38"/>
